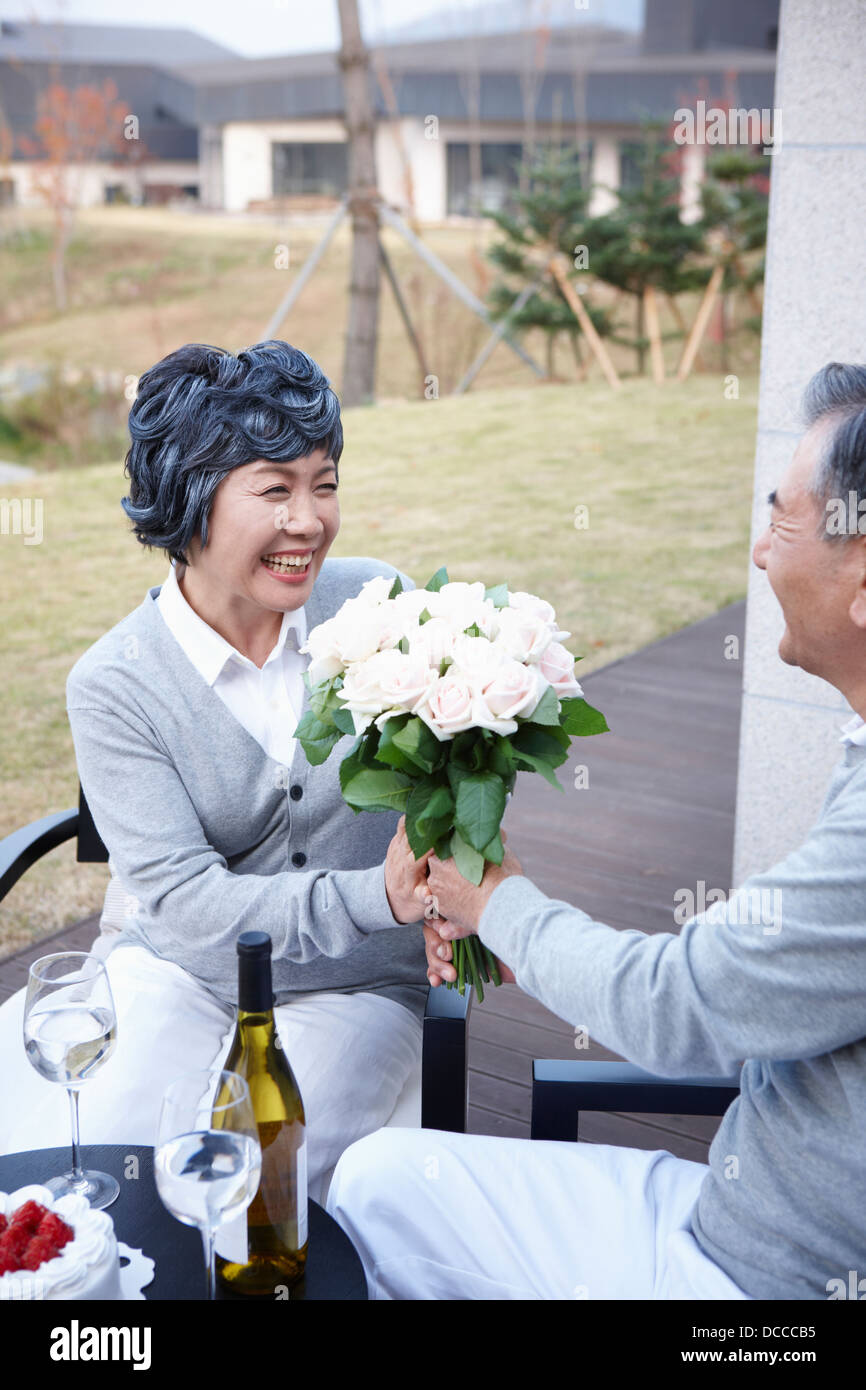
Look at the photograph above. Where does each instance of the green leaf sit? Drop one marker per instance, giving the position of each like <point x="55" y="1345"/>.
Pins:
<point x="403" y="645"/>
<point x="420" y="743"/>
<point x="541" y="765"/>
<point x="495" y="851"/>
<point x="316" y="738"/>
<point x="479" y="807"/>
<point x="545" y="743"/>
<point x="343" y="720"/>
<point x="352" y="764"/>
<point x="375" y="789"/>
<point x="434" y="584"/>
<point x="500" y="759"/>
<point x="391" y="752"/>
<point x="455" y="774"/>
<point x="580" y="719"/>
<point x="499" y="595"/>
<point x="429" y="815"/>
<point x="547" y="709"/>
<point x="425" y="616"/>
<point x="396" y="588"/>
<point x="473" y="630"/>
<point x="469" y="862"/>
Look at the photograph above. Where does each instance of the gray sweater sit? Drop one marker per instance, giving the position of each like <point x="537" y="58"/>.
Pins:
<point x="777" y="980"/>
<point x="213" y="837"/>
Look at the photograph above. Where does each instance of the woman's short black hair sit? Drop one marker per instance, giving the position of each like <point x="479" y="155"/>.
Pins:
<point x="203" y="411"/>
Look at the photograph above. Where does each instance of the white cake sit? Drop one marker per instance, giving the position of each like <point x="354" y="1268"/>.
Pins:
<point x="88" y="1266"/>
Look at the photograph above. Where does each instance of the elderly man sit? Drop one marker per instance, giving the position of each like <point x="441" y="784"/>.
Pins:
<point x="780" y="1210"/>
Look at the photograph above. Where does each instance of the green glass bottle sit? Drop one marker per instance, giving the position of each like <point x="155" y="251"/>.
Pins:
<point x="263" y="1253"/>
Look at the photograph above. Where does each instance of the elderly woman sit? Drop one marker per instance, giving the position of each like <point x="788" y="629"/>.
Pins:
<point x="183" y="719"/>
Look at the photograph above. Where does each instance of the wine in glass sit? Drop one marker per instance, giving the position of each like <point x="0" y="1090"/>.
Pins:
<point x="70" y="1030"/>
<point x="208" y="1158"/>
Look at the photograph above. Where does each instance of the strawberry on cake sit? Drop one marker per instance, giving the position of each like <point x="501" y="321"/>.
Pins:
<point x="56" y="1248"/>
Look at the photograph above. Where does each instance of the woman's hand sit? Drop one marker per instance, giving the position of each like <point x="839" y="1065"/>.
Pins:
<point x="440" y="955"/>
<point x="405" y="877"/>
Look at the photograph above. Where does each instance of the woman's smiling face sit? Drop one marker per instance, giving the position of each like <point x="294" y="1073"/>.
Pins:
<point x="269" y="509"/>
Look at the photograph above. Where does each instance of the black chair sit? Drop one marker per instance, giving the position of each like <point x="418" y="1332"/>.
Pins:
<point x="560" y="1090"/>
<point x="446" y="1018"/>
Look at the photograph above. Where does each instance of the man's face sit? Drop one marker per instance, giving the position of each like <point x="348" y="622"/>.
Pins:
<point x="260" y="510"/>
<point x="815" y="580"/>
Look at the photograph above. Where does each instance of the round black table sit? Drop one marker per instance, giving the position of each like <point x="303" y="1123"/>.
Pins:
<point x="333" y="1270"/>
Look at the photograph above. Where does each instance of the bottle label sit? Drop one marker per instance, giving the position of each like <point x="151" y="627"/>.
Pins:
<point x="232" y="1242"/>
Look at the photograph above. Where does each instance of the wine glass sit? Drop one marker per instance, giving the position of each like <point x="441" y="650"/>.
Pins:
<point x="208" y="1158"/>
<point x="70" y="1029"/>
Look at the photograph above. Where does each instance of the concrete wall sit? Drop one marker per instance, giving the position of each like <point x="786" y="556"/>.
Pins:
<point x="815" y="312"/>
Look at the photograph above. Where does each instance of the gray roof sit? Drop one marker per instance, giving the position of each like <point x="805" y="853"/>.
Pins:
<point x="106" y="43"/>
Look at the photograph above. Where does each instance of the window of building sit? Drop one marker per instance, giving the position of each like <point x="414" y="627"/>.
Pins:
<point x="318" y="167"/>
<point x="500" y="174"/>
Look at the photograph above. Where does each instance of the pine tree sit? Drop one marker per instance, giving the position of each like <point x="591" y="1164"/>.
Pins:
<point x="642" y="240"/>
<point x="551" y="215"/>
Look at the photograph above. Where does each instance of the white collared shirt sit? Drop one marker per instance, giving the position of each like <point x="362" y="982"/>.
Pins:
<point x="266" y="701"/>
<point x="854" y="731"/>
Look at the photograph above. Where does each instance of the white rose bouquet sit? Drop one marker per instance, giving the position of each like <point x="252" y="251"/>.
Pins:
<point x="451" y="690"/>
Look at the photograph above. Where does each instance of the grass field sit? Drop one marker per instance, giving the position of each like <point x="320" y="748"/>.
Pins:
<point x="142" y="281"/>
<point x="486" y="483"/>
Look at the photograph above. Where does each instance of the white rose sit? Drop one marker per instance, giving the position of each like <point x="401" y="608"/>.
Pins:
<point x="375" y="591"/>
<point x="457" y="603"/>
<point x="477" y="658"/>
<point x="410" y="604"/>
<point x="447" y="708"/>
<point x="364" y="630"/>
<point x="323" y="649"/>
<point x="363" y="683"/>
<point x="435" y="639"/>
<point x="540" y="608"/>
<point x="514" y="690"/>
<point x="557" y="666"/>
<point x="523" y="635"/>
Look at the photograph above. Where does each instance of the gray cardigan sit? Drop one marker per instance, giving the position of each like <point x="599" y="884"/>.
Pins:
<point x="213" y="837"/>
<point x="775" y="975"/>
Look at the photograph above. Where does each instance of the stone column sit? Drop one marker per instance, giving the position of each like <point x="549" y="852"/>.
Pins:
<point x="814" y="312"/>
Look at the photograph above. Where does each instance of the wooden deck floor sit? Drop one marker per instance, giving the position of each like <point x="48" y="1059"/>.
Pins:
<point x="656" y="816"/>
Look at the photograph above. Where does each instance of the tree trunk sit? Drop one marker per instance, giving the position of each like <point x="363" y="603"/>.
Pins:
<point x="641" y="350"/>
<point x="359" y="363"/>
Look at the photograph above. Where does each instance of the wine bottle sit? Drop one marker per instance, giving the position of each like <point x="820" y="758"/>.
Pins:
<point x="263" y="1252"/>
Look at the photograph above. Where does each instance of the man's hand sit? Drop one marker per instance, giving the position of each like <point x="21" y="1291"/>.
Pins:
<point x="405" y="878"/>
<point x="461" y="902"/>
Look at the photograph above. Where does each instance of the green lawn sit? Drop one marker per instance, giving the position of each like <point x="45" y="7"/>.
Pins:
<point x="486" y="484"/>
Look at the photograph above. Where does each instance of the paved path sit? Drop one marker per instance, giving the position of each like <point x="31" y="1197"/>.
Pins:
<point x="14" y="472"/>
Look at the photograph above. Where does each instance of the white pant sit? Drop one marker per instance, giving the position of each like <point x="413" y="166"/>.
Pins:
<point x="351" y="1055"/>
<point x="443" y="1216"/>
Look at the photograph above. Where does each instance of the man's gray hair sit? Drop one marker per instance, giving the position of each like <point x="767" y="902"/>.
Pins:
<point x="837" y="393"/>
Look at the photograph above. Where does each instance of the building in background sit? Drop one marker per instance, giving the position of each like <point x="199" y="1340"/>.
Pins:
<point x="455" y="114"/>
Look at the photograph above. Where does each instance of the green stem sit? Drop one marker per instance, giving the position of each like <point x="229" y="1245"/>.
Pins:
<point x="473" y="966"/>
<point x="493" y="967"/>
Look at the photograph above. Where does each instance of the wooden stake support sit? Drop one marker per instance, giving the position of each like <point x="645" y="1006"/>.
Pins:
<point x="651" y="318"/>
<point x="573" y="300"/>
<point x="404" y="309"/>
<point x="699" y="327"/>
